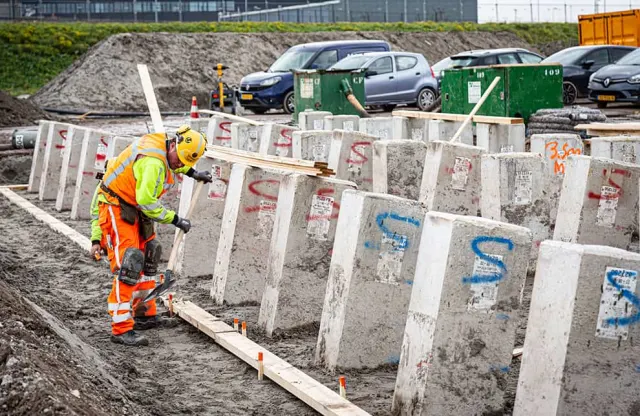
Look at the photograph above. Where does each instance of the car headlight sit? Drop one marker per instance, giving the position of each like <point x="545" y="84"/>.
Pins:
<point x="634" y="79"/>
<point x="591" y="77"/>
<point x="271" y="81"/>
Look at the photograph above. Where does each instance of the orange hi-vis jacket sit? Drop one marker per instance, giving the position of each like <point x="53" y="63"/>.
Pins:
<point x="119" y="176"/>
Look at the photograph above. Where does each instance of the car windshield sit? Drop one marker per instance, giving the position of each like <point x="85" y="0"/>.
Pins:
<point x="292" y="59"/>
<point x="630" y="59"/>
<point x="454" y="61"/>
<point x="351" y="62"/>
<point x="566" y="57"/>
<point x="444" y="64"/>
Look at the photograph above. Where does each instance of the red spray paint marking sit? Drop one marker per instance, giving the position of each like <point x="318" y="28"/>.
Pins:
<point x="451" y="171"/>
<point x="621" y="172"/>
<point x="336" y="206"/>
<point x="224" y="126"/>
<point x="253" y="189"/>
<point x="63" y="135"/>
<point x="286" y="135"/>
<point x="217" y="195"/>
<point x="87" y="173"/>
<point x="102" y="156"/>
<point x="362" y="159"/>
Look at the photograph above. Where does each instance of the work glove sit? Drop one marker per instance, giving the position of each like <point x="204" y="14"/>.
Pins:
<point x="202" y="176"/>
<point x="96" y="250"/>
<point x="182" y="223"/>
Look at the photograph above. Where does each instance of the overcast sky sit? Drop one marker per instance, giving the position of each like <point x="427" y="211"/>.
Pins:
<point x="550" y="10"/>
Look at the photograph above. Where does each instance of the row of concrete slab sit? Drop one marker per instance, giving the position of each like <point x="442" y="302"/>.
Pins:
<point x="416" y="277"/>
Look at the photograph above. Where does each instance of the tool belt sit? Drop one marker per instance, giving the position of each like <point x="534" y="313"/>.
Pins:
<point x="129" y="214"/>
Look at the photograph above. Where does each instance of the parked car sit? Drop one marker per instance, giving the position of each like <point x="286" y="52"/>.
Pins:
<point x="580" y="62"/>
<point x="486" y="57"/>
<point x="617" y="82"/>
<point x="262" y="91"/>
<point x="393" y="78"/>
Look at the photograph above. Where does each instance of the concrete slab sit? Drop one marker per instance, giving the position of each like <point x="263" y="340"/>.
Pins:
<point x="451" y="180"/>
<point x="312" y="145"/>
<point x="93" y="156"/>
<point x="300" y="252"/>
<point x="38" y="155"/>
<point x="398" y="166"/>
<point x="622" y="148"/>
<point x="351" y="157"/>
<point x="556" y="148"/>
<point x="52" y="161"/>
<point x="599" y="202"/>
<point x="246" y="137"/>
<point x="245" y="235"/>
<point x="501" y="138"/>
<point x="219" y="131"/>
<point x="312" y="120"/>
<point x="200" y="245"/>
<point x="442" y="130"/>
<point x="411" y="128"/>
<point x="370" y="278"/>
<point x="514" y="189"/>
<point x="69" y="168"/>
<point x="380" y="127"/>
<point x="341" y="122"/>
<point x="277" y="140"/>
<point x="460" y="330"/>
<point x="579" y="354"/>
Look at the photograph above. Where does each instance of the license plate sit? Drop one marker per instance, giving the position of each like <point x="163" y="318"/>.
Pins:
<point x="246" y="96"/>
<point x="606" y="97"/>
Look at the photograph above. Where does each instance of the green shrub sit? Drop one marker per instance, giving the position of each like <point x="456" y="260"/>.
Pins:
<point x="31" y="54"/>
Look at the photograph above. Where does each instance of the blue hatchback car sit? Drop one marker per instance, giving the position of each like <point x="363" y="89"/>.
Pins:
<point x="273" y="89"/>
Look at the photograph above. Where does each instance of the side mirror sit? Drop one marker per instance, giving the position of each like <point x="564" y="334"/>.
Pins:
<point x="370" y="73"/>
<point x="588" y="64"/>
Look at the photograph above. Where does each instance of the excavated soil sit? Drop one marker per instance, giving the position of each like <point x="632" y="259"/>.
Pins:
<point x="14" y="112"/>
<point x="15" y="167"/>
<point x="182" y="65"/>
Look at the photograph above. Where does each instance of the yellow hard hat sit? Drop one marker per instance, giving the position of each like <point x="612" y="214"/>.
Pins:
<point x="190" y="145"/>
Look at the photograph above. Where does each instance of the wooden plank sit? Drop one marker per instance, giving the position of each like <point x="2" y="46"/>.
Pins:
<point x="271" y="158"/>
<point x="458" y="117"/>
<point x="315" y="394"/>
<point x="22" y="187"/>
<point x="253" y="159"/>
<point x="231" y="117"/>
<point x="147" y="87"/>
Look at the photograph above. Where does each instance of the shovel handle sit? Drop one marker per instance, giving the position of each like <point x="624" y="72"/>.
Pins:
<point x="176" y="241"/>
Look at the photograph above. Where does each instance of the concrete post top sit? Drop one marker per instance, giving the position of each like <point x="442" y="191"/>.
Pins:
<point x="615" y="139"/>
<point x="377" y="119"/>
<point x="399" y="142"/>
<point x="604" y="160"/>
<point x="311" y="133"/>
<point x="594" y="250"/>
<point x="385" y="197"/>
<point x="553" y="136"/>
<point x="514" y="155"/>
<point x="332" y="181"/>
<point x="439" y="144"/>
<point x="480" y="222"/>
<point x="358" y="134"/>
<point x="240" y="123"/>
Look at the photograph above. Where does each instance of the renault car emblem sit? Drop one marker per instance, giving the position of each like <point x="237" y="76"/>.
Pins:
<point x="606" y="82"/>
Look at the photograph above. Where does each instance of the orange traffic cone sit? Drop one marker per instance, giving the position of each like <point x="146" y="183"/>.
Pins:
<point x="194" y="108"/>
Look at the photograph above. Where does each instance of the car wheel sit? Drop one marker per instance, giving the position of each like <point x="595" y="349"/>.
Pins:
<point x="426" y="97"/>
<point x="569" y="93"/>
<point x="258" y="111"/>
<point x="602" y="104"/>
<point x="388" y="108"/>
<point x="289" y="106"/>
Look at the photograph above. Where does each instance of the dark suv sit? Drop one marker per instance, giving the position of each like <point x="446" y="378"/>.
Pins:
<point x="486" y="57"/>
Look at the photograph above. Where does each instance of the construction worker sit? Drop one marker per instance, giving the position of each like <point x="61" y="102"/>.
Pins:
<point x="124" y="207"/>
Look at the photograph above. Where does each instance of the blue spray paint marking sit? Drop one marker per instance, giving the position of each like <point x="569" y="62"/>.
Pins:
<point x="502" y="368"/>
<point x="494" y="277"/>
<point x="631" y="297"/>
<point x="502" y="317"/>
<point x="401" y="241"/>
<point x="637" y="368"/>
<point x="393" y="359"/>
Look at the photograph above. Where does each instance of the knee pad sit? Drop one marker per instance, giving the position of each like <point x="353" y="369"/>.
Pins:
<point x="152" y="254"/>
<point x="132" y="264"/>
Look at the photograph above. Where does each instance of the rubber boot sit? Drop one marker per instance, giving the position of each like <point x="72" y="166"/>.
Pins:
<point x="130" y="339"/>
<point x="159" y="321"/>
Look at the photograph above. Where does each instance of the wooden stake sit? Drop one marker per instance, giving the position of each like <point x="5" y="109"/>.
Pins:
<point x="260" y="366"/>
<point x="235" y="323"/>
<point x="343" y="387"/>
<point x="475" y="109"/>
<point x="244" y="328"/>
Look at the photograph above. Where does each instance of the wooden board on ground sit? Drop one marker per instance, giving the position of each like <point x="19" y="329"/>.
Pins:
<point x="458" y="117"/>
<point x="610" y="129"/>
<point x="231" y="117"/>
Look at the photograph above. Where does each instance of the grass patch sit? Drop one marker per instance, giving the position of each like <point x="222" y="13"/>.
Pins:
<point x="32" y="54"/>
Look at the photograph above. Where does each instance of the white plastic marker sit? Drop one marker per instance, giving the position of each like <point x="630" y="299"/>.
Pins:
<point x="147" y="87"/>
<point x="343" y="387"/>
<point x="260" y="366"/>
<point x="244" y="328"/>
<point x="235" y="323"/>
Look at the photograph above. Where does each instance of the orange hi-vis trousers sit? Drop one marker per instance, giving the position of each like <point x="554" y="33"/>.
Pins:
<point x="124" y="300"/>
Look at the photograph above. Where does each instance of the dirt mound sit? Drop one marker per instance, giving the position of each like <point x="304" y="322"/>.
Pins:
<point x="182" y="65"/>
<point x="14" y="112"/>
<point x="15" y="167"/>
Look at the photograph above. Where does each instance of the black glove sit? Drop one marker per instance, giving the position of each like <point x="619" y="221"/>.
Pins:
<point x="202" y="176"/>
<point x="182" y="223"/>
